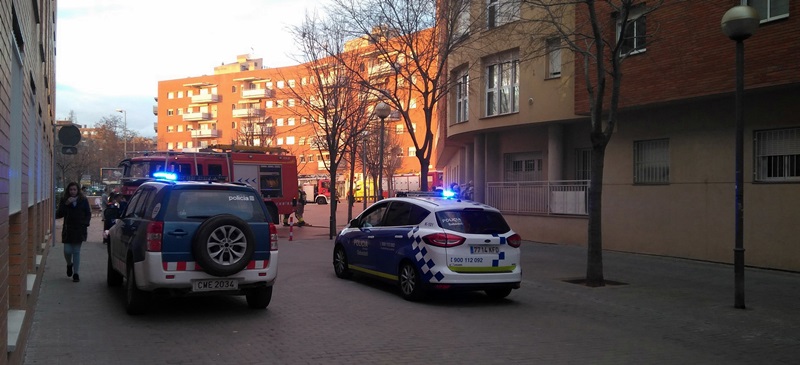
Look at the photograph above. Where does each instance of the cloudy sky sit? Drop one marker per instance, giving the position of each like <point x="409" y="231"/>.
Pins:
<point x="112" y="53"/>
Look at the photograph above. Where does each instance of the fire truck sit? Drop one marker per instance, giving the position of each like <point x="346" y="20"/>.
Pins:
<point x="270" y="170"/>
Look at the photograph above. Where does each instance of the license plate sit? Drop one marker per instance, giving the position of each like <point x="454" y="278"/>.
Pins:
<point x="215" y="285"/>
<point x="484" y="249"/>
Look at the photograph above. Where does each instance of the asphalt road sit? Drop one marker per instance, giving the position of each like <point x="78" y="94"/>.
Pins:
<point x="669" y="311"/>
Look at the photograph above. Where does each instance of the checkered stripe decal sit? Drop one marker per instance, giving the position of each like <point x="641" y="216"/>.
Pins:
<point x="193" y="266"/>
<point x="424" y="263"/>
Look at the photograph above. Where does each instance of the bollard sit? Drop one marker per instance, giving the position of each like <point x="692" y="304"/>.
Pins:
<point x="291" y="225"/>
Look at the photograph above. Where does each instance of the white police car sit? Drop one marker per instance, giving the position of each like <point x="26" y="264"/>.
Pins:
<point x="193" y="238"/>
<point x="431" y="244"/>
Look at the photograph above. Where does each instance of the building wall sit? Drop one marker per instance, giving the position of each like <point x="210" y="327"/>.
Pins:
<point x="680" y="89"/>
<point x="27" y="97"/>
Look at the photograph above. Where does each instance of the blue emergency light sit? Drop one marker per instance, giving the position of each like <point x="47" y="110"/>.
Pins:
<point x="163" y="175"/>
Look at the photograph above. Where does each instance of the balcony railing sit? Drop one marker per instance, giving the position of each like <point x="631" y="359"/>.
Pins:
<point x="258" y="93"/>
<point x="205" y="133"/>
<point x="205" y="98"/>
<point x="188" y="117"/>
<point x="246" y="113"/>
<point x="567" y="197"/>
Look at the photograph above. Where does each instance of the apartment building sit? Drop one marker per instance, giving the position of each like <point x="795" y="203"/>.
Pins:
<point x="27" y="107"/>
<point x="244" y="103"/>
<point x="668" y="186"/>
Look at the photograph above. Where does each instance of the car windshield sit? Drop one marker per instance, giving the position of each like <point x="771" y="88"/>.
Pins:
<point x="190" y="204"/>
<point x="473" y="221"/>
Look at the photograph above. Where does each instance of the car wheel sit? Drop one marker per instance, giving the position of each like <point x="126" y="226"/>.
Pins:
<point x="498" y="293"/>
<point x="408" y="280"/>
<point x="321" y="200"/>
<point x="113" y="278"/>
<point x="224" y="245"/>
<point x="135" y="299"/>
<point x="340" y="265"/>
<point x="259" y="298"/>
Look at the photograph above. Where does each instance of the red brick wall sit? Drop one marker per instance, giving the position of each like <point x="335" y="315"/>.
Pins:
<point x="689" y="55"/>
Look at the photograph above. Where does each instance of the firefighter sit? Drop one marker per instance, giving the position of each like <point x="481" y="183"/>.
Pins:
<point x="300" y="207"/>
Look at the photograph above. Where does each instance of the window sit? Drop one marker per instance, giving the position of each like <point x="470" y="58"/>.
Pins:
<point x="462" y="97"/>
<point x="304" y="81"/>
<point x="290" y="102"/>
<point x="171" y="95"/>
<point x="290" y="121"/>
<point x="553" y="57"/>
<point x="170" y="128"/>
<point x="269" y="104"/>
<point x="180" y="128"/>
<point x="303" y="120"/>
<point x="398" y="129"/>
<point x="302" y="141"/>
<point x="180" y="94"/>
<point x="583" y="163"/>
<point x="291" y="83"/>
<point x="777" y="154"/>
<point x="302" y="158"/>
<point x="651" y="161"/>
<point x="280" y="141"/>
<point x="502" y="86"/>
<point x="170" y="112"/>
<point x="180" y="111"/>
<point x="412" y="151"/>
<point x="290" y="140"/>
<point x="169" y="146"/>
<point x="280" y="84"/>
<point x="233" y="89"/>
<point x="310" y="158"/>
<point x="501" y="12"/>
<point x="634" y="38"/>
<point x="180" y="145"/>
<point x="524" y="166"/>
<point x="461" y="26"/>
<point x="279" y="103"/>
<point x="770" y="10"/>
<point x="190" y="93"/>
<point x="279" y="122"/>
<point x="412" y="104"/>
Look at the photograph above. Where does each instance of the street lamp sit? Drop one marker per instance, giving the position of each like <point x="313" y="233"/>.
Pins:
<point x="382" y="110"/>
<point x="124" y="131"/>
<point x="739" y="23"/>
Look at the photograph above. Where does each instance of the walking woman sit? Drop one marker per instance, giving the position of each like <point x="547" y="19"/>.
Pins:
<point x="77" y="214"/>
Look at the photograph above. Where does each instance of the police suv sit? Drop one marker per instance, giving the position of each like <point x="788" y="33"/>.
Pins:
<point x="431" y="244"/>
<point x="193" y="238"/>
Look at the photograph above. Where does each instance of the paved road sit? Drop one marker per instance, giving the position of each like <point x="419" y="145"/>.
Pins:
<point x="670" y="311"/>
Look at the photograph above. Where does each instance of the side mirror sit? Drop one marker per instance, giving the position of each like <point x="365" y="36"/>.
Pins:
<point x="354" y="223"/>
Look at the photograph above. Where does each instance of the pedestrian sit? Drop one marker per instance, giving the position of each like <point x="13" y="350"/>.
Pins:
<point x="456" y="189"/>
<point x="111" y="213"/>
<point x="77" y="214"/>
<point x="300" y="207"/>
<point x="104" y="201"/>
<point x="468" y="191"/>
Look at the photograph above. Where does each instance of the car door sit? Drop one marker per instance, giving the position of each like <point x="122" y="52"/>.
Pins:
<point x="392" y="235"/>
<point x="130" y="231"/>
<point x="356" y="239"/>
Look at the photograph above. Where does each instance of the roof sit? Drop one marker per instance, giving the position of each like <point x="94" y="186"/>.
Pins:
<point x="438" y="203"/>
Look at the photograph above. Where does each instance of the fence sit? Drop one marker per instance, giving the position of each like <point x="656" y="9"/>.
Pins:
<point x="568" y="197"/>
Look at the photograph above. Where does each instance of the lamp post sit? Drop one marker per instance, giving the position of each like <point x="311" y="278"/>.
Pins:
<point x="739" y="23"/>
<point x="364" y="175"/>
<point x="124" y="131"/>
<point x="382" y="110"/>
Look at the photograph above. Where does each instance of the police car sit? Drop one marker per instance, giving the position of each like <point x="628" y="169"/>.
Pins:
<point x="431" y="244"/>
<point x="193" y="238"/>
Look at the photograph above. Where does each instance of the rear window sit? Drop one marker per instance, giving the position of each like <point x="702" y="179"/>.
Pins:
<point x="191" y="204"/>
<point x="472" y="221"/>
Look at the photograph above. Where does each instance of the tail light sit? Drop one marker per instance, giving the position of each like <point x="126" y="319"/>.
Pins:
<point x="155" y="231"/>
<point x="514" y="241"/>
<point x="273" y="238"/>
<point x="443" y="240"/>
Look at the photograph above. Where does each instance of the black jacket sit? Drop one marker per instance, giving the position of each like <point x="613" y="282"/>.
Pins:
<point x="76" y="218"/>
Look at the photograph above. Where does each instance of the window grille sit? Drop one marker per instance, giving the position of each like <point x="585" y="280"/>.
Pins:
<point x="777" y="155"/>
<point x="651" y="162"/>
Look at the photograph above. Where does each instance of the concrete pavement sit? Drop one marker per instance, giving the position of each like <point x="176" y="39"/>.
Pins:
<point x="668" y="311"/>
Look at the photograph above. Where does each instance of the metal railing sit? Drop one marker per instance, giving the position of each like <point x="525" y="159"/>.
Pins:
<point x="567" y="197"/>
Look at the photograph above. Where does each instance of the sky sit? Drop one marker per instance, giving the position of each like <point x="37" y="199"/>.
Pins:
<point x="110" y="54"/>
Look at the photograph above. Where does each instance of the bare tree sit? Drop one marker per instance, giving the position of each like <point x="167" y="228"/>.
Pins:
<point x="412" y="43"/>
<point x="332" y="100"/>
<point x="600" y="48"/>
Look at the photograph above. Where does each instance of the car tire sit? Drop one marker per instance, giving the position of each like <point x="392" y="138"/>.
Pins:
<point x="223" y="245"/>
<point x="113" y="278"/>
<point x="340" y="264"/>
<point x="409" y="282"/>
<point x="321" y="200"/>
<point x="498" y="293"/>
<point x="135" y="299"/>
<point x="258" y="298"/>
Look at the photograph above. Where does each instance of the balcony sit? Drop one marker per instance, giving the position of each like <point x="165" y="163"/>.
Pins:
<point x="190" y="117"/>
<point x="155" y="110"/>
<point x="155" y="127"/>
<point x="248" y="112"/>
<point x="205" y="98"/>
<point x="205" y="133"/>
<point x="258" y="93"/>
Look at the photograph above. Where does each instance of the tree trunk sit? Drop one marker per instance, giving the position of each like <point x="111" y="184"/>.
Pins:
<point x="594" y="266"/>
<point x="350" y="196"/>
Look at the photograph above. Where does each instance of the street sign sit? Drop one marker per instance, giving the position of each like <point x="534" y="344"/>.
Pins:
<point x="69" y="135"/>
<point x="69" y="150"/>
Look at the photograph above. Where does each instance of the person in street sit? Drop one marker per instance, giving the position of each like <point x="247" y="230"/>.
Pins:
<point x="111" y="213"/>
<point x="77" y="214"/>
<point x="104" y="201"/>
<point x="456" y="189"/>
<point x="300" y="207"/>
